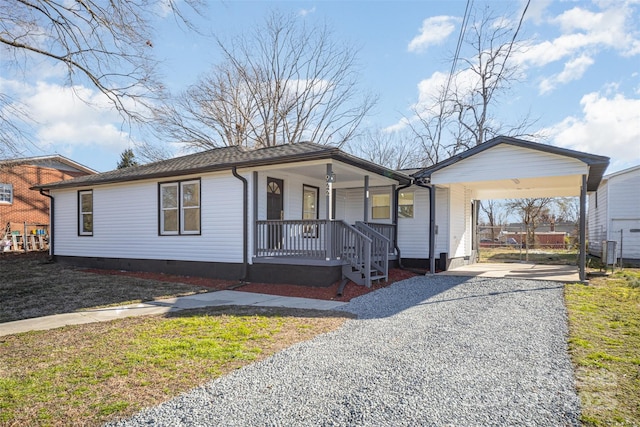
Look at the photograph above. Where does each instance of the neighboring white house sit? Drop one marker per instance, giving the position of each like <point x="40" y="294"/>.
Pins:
<point x="614" y="214"/>
<point x="300" y="213"/>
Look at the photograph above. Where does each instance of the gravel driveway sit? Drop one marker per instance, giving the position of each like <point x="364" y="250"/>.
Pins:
<point x="440" y="350"/>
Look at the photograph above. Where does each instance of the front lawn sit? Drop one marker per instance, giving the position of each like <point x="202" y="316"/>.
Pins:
<point x="90" y="374"/>
<point x="604" y="323"/>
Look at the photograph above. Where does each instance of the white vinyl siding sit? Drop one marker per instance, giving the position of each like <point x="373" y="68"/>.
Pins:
<point x="618" y="209"/>
<point x="127" y="226"/>
<point x="413" y="233"/>
<point x="507" y="161"/>
<point x="293" y="194"/>
<point x="459" y="222"/>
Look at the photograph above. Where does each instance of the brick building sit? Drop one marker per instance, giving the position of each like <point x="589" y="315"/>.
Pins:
<point x="19" y="204"/>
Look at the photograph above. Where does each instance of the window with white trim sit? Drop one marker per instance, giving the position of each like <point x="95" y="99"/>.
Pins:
<point x="405" y="204"/>
<point x="6" y="193"/>
<point x="380" y="206"/>
<point x="85" y="213"/>
<point x="180" y="207"/>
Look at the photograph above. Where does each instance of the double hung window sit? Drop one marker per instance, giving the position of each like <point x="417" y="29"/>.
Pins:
<point x="405" y="204"/>
<point x="180" y="207"/>
<point x="85" y="213"/>
<point x="380" y="206"/>
<point x="6" y="193"/>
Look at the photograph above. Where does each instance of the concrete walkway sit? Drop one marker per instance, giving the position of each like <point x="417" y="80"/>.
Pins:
<point x="209" y="299"/>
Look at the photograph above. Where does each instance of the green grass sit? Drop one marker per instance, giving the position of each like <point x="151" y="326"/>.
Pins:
<point x="89" y="374"/>
<point x="604" y="323"/>
<point x="542" y="256"/>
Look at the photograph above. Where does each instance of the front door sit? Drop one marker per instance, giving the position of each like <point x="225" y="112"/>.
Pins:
<point x="275" y="211"/>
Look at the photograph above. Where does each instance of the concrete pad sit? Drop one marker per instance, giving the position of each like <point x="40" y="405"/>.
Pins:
<point x="524" y="270"/>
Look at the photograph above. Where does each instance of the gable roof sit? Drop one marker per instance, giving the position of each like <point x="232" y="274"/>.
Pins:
<point x="225" y="158"/>
<point x="47" y="161"/>
<point x="597" y="164"/>
<point x="632" y="169"/>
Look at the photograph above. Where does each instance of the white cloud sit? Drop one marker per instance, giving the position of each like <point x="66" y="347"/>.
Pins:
<point x="64" y="120"/>
<point x="536" y="10"/>
<point x="434" y="31"/>
<point x="305" y="12"/>
<point x="573" y="70"/>
<point x="609" y="126"/>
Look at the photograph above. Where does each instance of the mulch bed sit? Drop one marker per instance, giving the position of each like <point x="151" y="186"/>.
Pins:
<point x="350" y="291"/>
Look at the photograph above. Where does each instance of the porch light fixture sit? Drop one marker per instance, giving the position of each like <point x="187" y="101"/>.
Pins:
<point x="331" y="178"/>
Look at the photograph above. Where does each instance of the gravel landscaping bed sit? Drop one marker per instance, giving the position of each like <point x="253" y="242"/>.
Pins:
<point x="440" y="350"/>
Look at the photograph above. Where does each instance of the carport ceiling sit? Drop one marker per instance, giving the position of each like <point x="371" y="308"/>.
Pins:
<point x="518" y="188"/>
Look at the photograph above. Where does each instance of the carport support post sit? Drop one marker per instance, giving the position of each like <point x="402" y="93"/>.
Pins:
<point x="583" y="229"/>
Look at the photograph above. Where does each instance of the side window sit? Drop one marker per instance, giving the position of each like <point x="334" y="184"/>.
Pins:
<point x="180" y="208"/>
<point x="6" y="193"/>
<point x="190" y="207"/>
<point x="85" y="213"/>
<point x="380" y="206"/>
<point x="405" y="205"/>
<point x="310" y="202"/>
<point x="169" y="208"/>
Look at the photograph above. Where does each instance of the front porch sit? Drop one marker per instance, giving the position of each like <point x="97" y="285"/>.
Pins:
<point x="362" y="250"/>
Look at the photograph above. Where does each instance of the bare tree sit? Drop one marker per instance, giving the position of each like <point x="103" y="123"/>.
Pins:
<point x="531" y="210"/>
<point x="394" y="150"/>
<point x="106" y="44"/>
<point x="460" y="115"/>
<point x="495" y="214"/>
<point x="283" y="83"/>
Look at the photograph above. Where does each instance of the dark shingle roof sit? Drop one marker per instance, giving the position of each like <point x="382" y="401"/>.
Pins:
<point x="225" y="158"/>
<point x="597" y="164"/>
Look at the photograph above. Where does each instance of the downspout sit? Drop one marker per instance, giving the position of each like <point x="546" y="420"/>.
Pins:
<point x="432" y="225"/>
<point x="51" y="216"/>
<point x="395" y="222"/>
<point x="245" y="222"/>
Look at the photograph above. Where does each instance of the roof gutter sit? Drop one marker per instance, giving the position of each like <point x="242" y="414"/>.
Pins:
<point x="51" y="222"/>
<point x="245" y="222"/>
<point x="432" y="223"/>
<point x="395" y="222"/>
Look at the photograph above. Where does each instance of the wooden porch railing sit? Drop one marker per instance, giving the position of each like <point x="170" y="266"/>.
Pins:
<point x="387" y="230"/>
<point x="292" y="238"/>
<point x="380" y="248"/>
<point x="363" y="250"/>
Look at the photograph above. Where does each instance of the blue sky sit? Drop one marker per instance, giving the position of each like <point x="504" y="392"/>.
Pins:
<point x="580" y="73"/>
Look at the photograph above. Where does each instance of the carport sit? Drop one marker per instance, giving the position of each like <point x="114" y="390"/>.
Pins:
<point x="512" y="168"/>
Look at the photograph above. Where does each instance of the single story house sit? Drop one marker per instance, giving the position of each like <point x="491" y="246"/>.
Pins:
<point x="300" y="213"/>
<point x="614" y="215"/>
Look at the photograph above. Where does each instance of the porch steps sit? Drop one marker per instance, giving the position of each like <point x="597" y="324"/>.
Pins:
<point x="357" y="274"/>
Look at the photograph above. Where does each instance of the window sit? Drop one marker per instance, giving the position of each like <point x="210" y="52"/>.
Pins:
<point x="380" y="207"/>
<point x="180" y="208"/>
<point x="6" y="193"/>
<point x="309" y="202"/>
<point x="405" y="205"/>
<point x="85" y="213"/>
<point x="310" y="209"/>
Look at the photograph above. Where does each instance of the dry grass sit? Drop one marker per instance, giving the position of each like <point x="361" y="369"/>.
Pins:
<point x="33" y="287"/>
<point x="604" y="321"/>
<point x="540" y="256"/>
